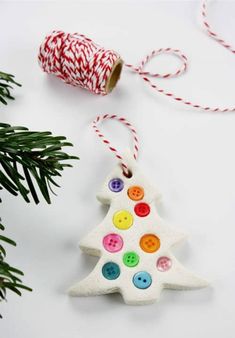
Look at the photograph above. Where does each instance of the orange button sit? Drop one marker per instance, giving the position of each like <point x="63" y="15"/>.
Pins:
<point x="135" y="193"/>
<point x="149" y="243"/>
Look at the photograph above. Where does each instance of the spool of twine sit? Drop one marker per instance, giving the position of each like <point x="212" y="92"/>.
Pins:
<point x="78" y="61"/>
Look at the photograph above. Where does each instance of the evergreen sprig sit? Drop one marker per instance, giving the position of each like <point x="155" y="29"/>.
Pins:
<point x="9" y="276"/>
<point x="5" y="87"/>
<point x="27" y="157"/>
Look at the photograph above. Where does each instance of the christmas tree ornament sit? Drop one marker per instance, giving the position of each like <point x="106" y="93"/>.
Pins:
<point x="133" y="242"/>
<point x="79" y="61"/>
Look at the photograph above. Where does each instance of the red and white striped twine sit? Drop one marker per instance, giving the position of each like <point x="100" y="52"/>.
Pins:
<point x="122" y="120"/>
<point x="79" y="61"/>
<point x="209" y="30"/>
<point x="146" y="75"/>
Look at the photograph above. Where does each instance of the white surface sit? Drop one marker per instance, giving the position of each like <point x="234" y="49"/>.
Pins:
<point x="188" y="155"/>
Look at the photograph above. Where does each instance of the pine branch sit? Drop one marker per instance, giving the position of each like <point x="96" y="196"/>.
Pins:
<point x="9" y="276"/>
<point x="26" y="158"/>
<point x="5" y="87"/>
<point x="29" y="157"/>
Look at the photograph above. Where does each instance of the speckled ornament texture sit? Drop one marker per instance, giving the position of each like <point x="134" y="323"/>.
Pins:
<point x="134" y="244"/>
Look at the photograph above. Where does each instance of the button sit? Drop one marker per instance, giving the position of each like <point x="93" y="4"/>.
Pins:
<point x="149" y="243"/>
<point x="116" y="185"/>
<point x="123" y="219"/>
<point x="113" y="242"/>
<point x="142" y="209"/>
<point x="131" y="259"/>
<point x="142" y="280"/>
<point x="135" y="193"/>
<point x="164" y="263"/>
<point x="111" y="271"/>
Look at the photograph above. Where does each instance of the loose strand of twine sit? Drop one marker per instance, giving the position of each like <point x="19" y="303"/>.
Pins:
<point x="144" y="75"/>
<point x="79" y="61"/>
<point x="100" y="119"/>
<point x="147" y="75"/>
<point x="211" y="32"/>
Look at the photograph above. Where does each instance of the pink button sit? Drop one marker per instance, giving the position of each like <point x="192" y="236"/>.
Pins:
<point x="113" y="242"/>
<point x="164" y="263"/>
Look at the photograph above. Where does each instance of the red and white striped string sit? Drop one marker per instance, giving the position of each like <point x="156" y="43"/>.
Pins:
<point x="147" y="75"/>
<point x="79" y="61"/>
<point x="211" y="32"/>
<point x="116" y="153"/>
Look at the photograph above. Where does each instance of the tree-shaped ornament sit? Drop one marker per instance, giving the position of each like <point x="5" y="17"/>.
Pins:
<point x="133" y="242"/>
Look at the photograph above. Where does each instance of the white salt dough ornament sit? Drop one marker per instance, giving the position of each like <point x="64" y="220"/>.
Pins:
<point x="133" y="242"/>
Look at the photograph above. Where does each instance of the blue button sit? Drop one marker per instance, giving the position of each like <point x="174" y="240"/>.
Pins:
<point x="116" y="185"/>
<point x="142" y="280"/>
<point x="111" y="271"/>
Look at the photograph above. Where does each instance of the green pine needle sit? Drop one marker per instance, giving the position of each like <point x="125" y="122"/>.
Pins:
<point x="5" y="87"/>
<point x="28" y="158"/>
<point x="9" y="276"/>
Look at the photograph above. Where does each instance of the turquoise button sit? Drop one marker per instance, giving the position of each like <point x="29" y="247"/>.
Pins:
<point x="111" y="271"/>
<point x="142" y="280"/>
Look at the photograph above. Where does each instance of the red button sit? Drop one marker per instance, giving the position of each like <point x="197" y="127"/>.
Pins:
<point x="142" y="209"/>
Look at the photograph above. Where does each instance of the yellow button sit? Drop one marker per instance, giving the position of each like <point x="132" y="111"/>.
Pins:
<point x="122" y="219"/>
<point x="136" y="193"/>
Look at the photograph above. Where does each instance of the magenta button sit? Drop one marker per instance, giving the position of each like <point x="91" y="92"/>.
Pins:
<point x="164" y="263"/>
<point x="113" y="242"/>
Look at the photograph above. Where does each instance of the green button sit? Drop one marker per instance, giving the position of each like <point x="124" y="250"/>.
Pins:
<point x="131" y="259"/>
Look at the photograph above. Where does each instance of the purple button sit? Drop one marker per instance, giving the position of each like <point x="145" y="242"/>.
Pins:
<point x="113" y="242"/>
<point x="116" y="185"/>
<point x="164" y="263"/>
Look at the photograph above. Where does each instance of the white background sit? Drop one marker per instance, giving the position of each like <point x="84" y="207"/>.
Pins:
<point x="188" y="155"/>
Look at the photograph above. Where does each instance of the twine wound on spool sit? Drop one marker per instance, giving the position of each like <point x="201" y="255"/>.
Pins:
<point x="78" y="61"/>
